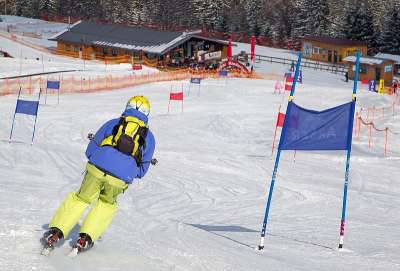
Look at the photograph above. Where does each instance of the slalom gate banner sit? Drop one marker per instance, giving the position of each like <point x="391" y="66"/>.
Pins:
<point x="280" y="120"/>
<point x="289" y="83"/>
<point x="177" y="96"/>
<point x="310" y="130"/>
<point x="137" y="66"/>
<point x="195" y="80"/>
<point x="223" y="73"/>
<point x="317" y="130"/>
<point x="54" y="85"/>
<point x="27" y="108"/>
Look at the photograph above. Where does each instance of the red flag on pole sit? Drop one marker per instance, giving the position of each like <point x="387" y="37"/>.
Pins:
<point x="279" y="123"/>
<point x="288" y="83"/>
<point x="230" y="50"/>
<point x="253" y="48"/>
<point x="177" y="96"/>
<point x="280" y="120"/>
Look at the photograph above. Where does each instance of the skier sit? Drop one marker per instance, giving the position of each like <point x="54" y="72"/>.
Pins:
<point x="119" y="152"/>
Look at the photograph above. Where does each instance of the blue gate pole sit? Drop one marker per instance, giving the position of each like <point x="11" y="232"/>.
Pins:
<point x="278" y="155"/>
<point x="349" y="138"/>
<point x="15" y="112"/>
<point x="37" y="110"/>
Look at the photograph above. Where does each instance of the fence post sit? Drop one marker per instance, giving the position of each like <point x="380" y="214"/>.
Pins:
<point x="370" y="135"/>
<point x="386" y="140"/>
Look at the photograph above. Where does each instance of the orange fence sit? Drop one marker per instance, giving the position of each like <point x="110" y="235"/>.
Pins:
<point x="373" y="114"/>
<point x="74" y="83"/>
<point x="84" y="83"/>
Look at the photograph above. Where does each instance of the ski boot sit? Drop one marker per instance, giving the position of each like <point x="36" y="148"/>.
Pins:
<point x="84" y="243"/>
<point x="50" y="239"/>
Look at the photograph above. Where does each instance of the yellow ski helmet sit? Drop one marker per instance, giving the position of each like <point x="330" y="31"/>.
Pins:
<point x="140" y="103"/>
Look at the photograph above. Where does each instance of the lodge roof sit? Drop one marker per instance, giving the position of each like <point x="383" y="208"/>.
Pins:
<point x="126" y="37"/>
<point x="335" y="41"/>
<point x="368" y="60"/>
<point x="395" y="58"/>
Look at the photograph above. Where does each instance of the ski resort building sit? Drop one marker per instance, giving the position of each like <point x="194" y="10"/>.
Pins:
<point x="395" y="58"/>
<point x="372" y="68"/>
<point x="115" y="43"/>
<point x="331" y="50"/>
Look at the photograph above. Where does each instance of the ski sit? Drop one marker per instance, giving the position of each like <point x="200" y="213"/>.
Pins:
<point x="46" y="251"/>
<point x="73" y="253"/>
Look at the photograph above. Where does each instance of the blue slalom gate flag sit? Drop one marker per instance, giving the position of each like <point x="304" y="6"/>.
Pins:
<point x="53" y="84"/>
<point x="27" y="107"/>
<point x="223" y="73"/>
<point x="195" y="80"/>
<point x="317" y="130"/>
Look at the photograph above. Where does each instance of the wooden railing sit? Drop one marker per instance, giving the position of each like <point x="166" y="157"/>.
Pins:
<point x="305" y="63"/>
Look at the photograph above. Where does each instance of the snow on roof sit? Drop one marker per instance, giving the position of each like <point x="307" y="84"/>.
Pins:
<point x="126" y="37"/>
<point x="63" y="31"/>
<point x="365" y="60"/>
<point x="156" y="49"/>
<point x="395" y="58"/>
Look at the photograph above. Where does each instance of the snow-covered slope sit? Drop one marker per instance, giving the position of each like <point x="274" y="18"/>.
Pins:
<point x="202" y="206"/>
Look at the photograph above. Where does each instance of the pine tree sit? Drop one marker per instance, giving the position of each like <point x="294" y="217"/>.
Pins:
<point x="133" y="12"/>
<point x="253" y="16"/>
<point x="389" y="40"/>
<point x="209" y="13"/>
<point x="25" y="8"/>
<point x="312" y="18"/>
<point x="358" y="24"/>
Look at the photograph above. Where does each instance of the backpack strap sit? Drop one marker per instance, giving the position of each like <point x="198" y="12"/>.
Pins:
<point x="110" y="140"/>
<point x="116" y="128"/>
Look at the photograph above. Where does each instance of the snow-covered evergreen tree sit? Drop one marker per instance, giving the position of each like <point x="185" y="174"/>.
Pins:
<point x="48" y="7"/>
<point x="389" y="40"/>
<point x="359" y="23"/>
<point x="209" y="13"/>
<point x="254" y="16"/>
<point x="25" y="8"/>
<point x="311" y="18"/>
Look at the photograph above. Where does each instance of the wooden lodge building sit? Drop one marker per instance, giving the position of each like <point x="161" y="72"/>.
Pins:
<point x="372" y="68"/>
<point x="395" y="58"/>
<point x="331" y="50"/>
<point x="115" y="43"/>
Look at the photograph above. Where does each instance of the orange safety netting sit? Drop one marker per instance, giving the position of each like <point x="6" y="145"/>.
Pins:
<point x="85" y="83"/>
<point x="372" y="126"/>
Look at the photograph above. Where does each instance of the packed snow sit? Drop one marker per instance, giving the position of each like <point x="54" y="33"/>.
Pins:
<point x="202" y="206"/>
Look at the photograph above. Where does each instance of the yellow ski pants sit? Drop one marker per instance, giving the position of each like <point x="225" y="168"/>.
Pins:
<point x="97" y="188"/>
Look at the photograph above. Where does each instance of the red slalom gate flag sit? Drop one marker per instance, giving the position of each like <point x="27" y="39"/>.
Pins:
<point x="177" y="96"/>
<point x="136" y="66"/>
<point x="280" y="120"/>
<point x="288" y="83"/>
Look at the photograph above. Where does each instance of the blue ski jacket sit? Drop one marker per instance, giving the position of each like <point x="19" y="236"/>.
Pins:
<point x="114" y="162"/>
